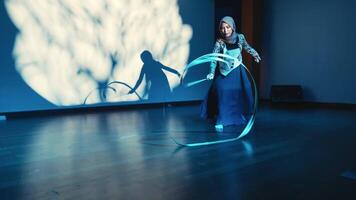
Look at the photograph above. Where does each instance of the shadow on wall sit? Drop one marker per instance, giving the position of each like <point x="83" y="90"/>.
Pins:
<point x="157" y="85"/>
<point x="152" y="77"/>
<point x="103" y="86"/>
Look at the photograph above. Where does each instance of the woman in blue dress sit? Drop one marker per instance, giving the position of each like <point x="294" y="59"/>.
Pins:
<point x="229" y="100"/>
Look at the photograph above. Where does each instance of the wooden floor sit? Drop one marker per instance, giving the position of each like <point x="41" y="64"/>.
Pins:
<point x="304" y="153"/>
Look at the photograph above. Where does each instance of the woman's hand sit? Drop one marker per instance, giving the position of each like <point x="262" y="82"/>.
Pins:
<point x="257" y="58"/>
<point x="210" y="76"/>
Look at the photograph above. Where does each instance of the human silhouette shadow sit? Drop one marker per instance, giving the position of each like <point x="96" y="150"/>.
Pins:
<point x="157" y="86"/>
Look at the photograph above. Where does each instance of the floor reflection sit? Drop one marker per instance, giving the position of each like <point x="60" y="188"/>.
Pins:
<point x="115" y="153"/>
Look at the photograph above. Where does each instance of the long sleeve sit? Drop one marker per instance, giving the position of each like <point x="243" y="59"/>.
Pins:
<point x="246" y="46"/>
<point x="217" y="49"/>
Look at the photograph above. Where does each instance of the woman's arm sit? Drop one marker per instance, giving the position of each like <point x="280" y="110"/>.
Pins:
<point x="249" y="49"/>
<point x="217" y="49"/>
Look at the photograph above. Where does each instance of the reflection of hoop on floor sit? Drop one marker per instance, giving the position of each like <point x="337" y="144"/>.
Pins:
<point x="115" y="91"/>
<point x="219" y="57"/>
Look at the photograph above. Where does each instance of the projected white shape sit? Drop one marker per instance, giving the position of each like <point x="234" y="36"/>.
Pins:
<point x="68" y="50"/>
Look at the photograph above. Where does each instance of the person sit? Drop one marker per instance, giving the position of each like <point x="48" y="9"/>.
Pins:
<point x="229" y="100"/>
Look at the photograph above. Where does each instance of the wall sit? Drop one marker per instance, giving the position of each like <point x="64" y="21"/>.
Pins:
<point x="68" y="54"/>
<point x="310" y="43"/>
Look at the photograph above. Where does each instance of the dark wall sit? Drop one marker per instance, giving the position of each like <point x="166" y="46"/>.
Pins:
<point x="14" y="93"/>
<point x="228" y="8"/>
<point x="312" y="44"/>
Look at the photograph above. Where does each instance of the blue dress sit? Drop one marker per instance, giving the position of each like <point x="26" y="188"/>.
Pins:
<point x="229" y="100"/>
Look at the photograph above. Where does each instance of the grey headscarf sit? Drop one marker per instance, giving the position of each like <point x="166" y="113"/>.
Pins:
<point x="230" y="21"/>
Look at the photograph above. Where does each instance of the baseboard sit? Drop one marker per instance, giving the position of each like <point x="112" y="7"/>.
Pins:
<point x="39" y="113"/>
